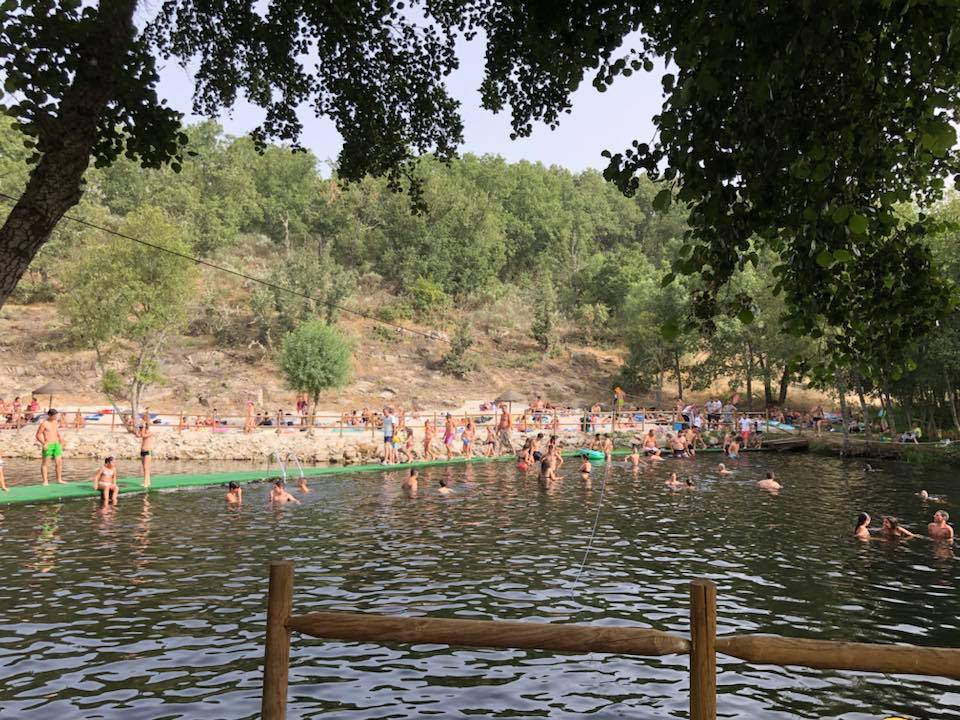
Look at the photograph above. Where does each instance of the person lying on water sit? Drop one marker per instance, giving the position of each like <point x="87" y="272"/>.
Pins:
<point x="925" y="496"/>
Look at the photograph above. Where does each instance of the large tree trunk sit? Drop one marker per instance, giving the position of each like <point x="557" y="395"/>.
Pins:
<point x="676" y="365"/>
<point x="784" y="387"/>
<point x="864" y="408"/>
<point x="749" y="371"/>
<point x="842" y="390"/>
<point x="55" y="184"/>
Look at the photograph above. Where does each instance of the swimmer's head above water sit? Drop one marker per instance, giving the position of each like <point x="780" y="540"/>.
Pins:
<point x="233" y="485"/>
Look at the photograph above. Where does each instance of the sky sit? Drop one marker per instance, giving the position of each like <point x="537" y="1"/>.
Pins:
<point x="610" y="120"/>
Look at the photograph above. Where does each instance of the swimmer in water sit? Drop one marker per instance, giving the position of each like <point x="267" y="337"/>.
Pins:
<point x="673" y="482"/>
<point x="939" y="529"/>
<point x="105" y="481"/>
<point x="443" y="489"/>
<point x="280" y="496"/>
<point x="891" y="529"/>
<point x="862" y="529"/>
<point x="722" y="469"/>
<point x="770" y="483"/>
<point x="234" y="494"/>
<point x="410" y="484"/>
<point x="635" y="459"/>
<point x="302" y="485"/>
<point x="925" y="496"/>
<point x="585" y="467"/>
<point x="547" y="472"/>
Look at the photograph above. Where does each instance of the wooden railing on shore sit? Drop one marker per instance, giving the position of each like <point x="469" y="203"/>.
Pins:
<point x="567" y="420"/>
<point x="702" y="646"/>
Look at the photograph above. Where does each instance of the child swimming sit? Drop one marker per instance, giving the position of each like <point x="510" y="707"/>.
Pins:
<point x="722" y="469"/>
<point x="410" y="484"/>
<point x="234" y="494"/>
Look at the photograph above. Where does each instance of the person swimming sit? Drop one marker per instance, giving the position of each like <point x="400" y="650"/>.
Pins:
<point x="585" y="467"/>
<point x="280" y="495"/>
<point x="547" y="471"/>
<point x="722" y="469"/>
<point x="635" y="459"/>
<point x="861" y="530"/>
<point x="410" y="484"/>
<point x="891" y="529"/>
<point x="770" y="483"/>
<point x="234" y="494"/>
<point x="925" y="496"/>
<point x="302" y="485"/>
<point x="673" y="482"/>
<point x="939" y="529"/>
<point x="105" y="481"/>
<point x="443" y="489"/>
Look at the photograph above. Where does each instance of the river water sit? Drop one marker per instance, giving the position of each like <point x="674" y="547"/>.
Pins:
<point x="155" y="609"/>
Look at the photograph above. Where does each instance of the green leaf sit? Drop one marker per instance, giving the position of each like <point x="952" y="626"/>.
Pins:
<point x="857" y="224"/>
<point x="745" y="316"/>
<point x="667" y="279"/>
<point x="661" y="202"/>
<point x="842" y="256"/>
<point x="670" y="329"/>
<point x="840" y="214"/>
<point x="824" y="259"/>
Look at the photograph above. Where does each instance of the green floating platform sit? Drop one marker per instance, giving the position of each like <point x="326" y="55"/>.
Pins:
<point x="55" y="492"/>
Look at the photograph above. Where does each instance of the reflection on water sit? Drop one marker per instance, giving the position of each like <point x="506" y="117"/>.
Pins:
<point x="154" y="609"/>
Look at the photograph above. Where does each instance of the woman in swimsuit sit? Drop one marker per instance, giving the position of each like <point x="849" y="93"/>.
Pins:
<point x="449" y="433"/>
<point x="862" y="529"/>
<point x="105" y="481"/>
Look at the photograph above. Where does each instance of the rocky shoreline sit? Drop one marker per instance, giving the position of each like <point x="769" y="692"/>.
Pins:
<point x="323" y="446"/>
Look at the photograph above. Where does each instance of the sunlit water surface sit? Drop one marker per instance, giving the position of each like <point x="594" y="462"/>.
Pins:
<point x="156" y="609"/>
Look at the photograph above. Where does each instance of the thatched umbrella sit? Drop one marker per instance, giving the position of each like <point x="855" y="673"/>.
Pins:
<point x="51" y="388"/>
<point x="510" y="397"/>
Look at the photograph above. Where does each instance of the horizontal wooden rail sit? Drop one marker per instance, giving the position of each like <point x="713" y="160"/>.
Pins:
<point x="834" y="655"/>
<point x="489" y="633"/>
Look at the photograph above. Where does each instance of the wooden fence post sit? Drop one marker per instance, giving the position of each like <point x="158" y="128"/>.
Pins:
<point x="276" y="661"/>
<point x="703" y="654"/>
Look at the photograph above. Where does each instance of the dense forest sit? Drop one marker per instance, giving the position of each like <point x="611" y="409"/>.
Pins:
<point x="564" y="251"/>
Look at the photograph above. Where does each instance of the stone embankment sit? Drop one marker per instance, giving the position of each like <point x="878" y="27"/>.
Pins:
<point x="323" y="446"/>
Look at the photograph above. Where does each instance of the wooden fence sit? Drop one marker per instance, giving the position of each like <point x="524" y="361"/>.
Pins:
<point x="702" y="646"/>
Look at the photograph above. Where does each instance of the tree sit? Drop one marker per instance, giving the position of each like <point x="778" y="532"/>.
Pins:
<point x="316" y="357"/>
<point x="455" y="361"/>
<point x="122" y="298"/>
<point x="786" y="125"/>
<point x="542" y="329"/>
<point x="798" y="127"/>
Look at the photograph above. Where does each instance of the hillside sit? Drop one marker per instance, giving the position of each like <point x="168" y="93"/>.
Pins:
<point x="387" y="364"/>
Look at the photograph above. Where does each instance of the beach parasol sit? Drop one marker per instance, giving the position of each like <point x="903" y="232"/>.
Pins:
<point x="51" y="388"/>
<point x="510" y="397"/>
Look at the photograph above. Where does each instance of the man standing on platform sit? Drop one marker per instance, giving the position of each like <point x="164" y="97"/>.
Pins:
<point x="504" y="429"/>
<point x="51" y="446"/>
